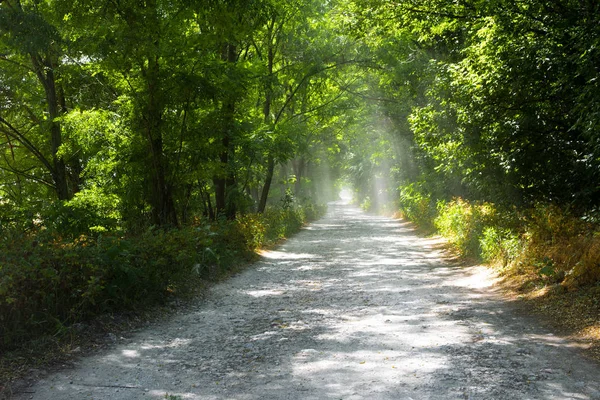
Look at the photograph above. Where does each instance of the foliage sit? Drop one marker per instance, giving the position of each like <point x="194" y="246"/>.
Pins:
<point x="494" y="104"/>
<point x="267" y="229"/>
<point x="138" y="140"/>
<point x="47" y="283"/>
<point x="561" y="247"/>
<point x="500" y="245"/>
<point x="463" y="223"/>
<point x="417" y="205"/>
<point x="549" y="245"/>
<point x="135" y="138"/>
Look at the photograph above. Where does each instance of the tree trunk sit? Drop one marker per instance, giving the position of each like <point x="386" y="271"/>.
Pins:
<point x="225" y="180"/>
<point x="161" y="196"/>
<point x="262" y="205"/>
<point x="267" y="186"/>
<point x="219" y="180"/>
<point x="298" y="166"/>
<point x="44" y="70"/>
<point x="74" y="164"/>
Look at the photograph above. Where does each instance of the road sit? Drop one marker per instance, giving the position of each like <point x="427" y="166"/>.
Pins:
<point x="353" y="307"/>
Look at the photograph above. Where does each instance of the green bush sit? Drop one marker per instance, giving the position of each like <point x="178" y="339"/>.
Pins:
<point x="417" y="205"/>
<point x="49" y="281"/>
<point x="545" y="243"/>
<point x="46" y="285"/>
<point x="281" y="223"/>
<point x="313" y="212"/>
<point x="463" y="224"/>
<point x="500" y="245"/>
<point x="366" y="204"/>
<point x="89" y="211"/>
<point x="254" y="230"/>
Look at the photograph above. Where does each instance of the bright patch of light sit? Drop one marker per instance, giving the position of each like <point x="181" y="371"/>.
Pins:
<point x="282" y="255"/>
<point x="131" y="353"/>
<point x="177" y="342"/>
<point x="346" y="195"/>
<point x="264" y="293"/>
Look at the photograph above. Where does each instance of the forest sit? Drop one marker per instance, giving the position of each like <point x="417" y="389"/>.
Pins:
<point x="148" y="146"/>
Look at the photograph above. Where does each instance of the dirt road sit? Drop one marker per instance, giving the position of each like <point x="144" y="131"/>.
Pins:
<point x="354" y="307"/>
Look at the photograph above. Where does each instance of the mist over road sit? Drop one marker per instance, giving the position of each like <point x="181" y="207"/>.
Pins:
<point x="353" y="307"/>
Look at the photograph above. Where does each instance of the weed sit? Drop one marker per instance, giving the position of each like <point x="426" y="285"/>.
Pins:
<point x="417" y="205"/>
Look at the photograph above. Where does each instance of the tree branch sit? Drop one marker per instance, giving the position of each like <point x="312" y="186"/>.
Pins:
<point x="26" y="175"/>
<point x="14" y="133"/>
<point x="305" y="78"/>
<point x="8" y="60"/>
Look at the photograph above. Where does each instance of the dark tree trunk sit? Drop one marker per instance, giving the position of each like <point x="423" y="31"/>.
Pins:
<point x="267" y="186"/>
<point x="44" y="70"/>
<point x="298" y="165"/>
<point x="161" y="196"/>
<point x="208" y="208"/>
<point x="262" y="205"/>
<point x="74" y="167"/>
<point x="225" y="180"/>
<point x="219" y="181"/>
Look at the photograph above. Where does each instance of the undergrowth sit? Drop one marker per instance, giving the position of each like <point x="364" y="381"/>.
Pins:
<point x="417" y="205"/>
<point x="49" y="282"/>
<point x="546" y="244"/>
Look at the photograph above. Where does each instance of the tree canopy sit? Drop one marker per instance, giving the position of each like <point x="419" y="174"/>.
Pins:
<point x="152" y="113"/>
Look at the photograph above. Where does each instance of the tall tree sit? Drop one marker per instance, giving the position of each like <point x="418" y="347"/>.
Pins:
<point x="34" y="96"/>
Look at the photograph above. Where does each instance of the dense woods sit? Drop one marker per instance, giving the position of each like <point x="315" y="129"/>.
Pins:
<point x="145" y="145"/>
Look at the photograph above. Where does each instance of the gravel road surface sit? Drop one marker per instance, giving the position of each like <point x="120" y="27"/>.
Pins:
<point x="353" y="307"/>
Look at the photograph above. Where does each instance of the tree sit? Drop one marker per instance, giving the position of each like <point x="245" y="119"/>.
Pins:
<point x="300" y="54"/>
<point x="33" y="88"/>
<point x="497" y="116"/>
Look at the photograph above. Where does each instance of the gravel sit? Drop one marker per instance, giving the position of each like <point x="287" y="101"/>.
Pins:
<point x="353" y="307"/>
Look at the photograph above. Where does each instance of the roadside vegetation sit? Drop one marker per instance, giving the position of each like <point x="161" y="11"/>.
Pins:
<point x="149" y="149"/>
<point x="63" y="293"/>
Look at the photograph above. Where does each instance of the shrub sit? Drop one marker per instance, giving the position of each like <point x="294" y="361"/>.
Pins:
<point x="280" y="223"/>
<point x="366" y="204"/>
<point x="49" y="281"/>
<point x="463" y="223"/>
<point x="550" y="243"/>
<point x="253" y="229"/>
<point x="313" y="212"/>
<point x="562" y="246"/>
<point x="500" y="245"/>
<point x="56" y="282"/>
<point x="417" y="205"/>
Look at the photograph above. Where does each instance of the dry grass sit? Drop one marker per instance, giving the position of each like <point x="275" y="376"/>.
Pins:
<point x="569" y="312"/>
<point x="557" y="276"/>
<point x="569" y="246"/>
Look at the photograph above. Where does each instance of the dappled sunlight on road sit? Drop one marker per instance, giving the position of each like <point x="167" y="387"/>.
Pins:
<point x="282" y="255"/>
